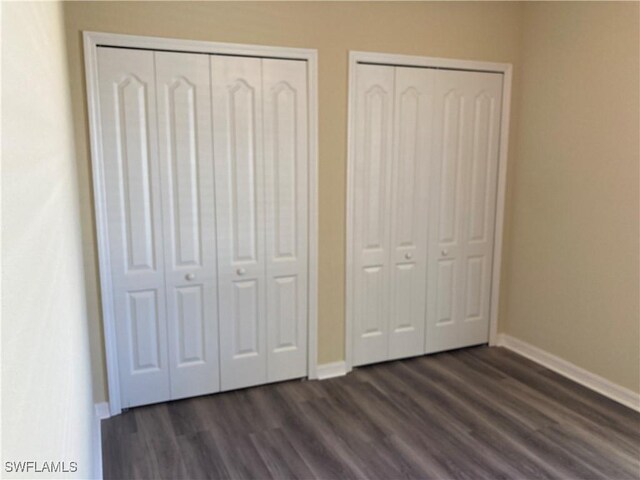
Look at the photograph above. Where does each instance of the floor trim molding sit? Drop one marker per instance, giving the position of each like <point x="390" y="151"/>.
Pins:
<point x="590" y="380"/>
<point x="101" y="412"/>
<point x="331" y="370"/>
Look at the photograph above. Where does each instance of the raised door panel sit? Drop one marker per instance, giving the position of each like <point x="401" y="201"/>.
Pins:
<point x="142" y="313"/>
<point x="286" y="158"/>
<point x="372" y="210"/>
<point x="246" y="332"/>
<point x="190" y="329"/>
<point x="373" y="283"/>
<point x="284" y="329"/>
<point x="466" y="133"/>
<point x="128" y="118"/>
<point x="410" y="215"/>
<point x="240" y="212"/>
<point x="133" y="148"/>
<point x="186" y="161"/>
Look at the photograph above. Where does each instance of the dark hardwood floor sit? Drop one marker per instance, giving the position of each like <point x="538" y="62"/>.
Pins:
<point x="470" y="414"/>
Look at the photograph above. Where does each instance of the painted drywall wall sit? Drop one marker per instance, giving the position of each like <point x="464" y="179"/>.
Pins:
<point x="47" y="404"/>
<point x="572" y="272"/>
<point x="479" y="31"/>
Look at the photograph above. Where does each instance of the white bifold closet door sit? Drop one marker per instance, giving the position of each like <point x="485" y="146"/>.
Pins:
<point x="155" y="110"/>
<point x="261" y="156"/>
<point x="206" y="185"/>
<point x="426" y="158"/>
<point x="463" y="206"/>
<point x="393" y="110"/>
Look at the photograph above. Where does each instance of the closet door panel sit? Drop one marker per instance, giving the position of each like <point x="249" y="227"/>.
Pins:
<point x="373" y="161"/>
<point x="239" y="172"/>
<point x="463" y="198"/>
<point x="186" y="160"/>
<point x="451" y="132"/>
<point x="479" y="231"/>
<point x="409" y="219"/>
<point x="128" y="114"/>
<point x="286" y="158"/>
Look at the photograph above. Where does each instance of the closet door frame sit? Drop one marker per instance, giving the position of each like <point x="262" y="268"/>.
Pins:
<point x="93" y="40"/>
<point x="397" y="60"/>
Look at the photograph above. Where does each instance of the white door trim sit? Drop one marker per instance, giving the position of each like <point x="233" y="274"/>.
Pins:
<point x="91" y="42"/>
<point x="356" y="57"/>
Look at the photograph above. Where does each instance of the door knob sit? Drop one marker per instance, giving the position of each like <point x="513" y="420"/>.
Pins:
<point x="408" y="256"/>
<point x="445" y="253"/>
<point x="189" y="276"/>
<point x="241" y="271"/>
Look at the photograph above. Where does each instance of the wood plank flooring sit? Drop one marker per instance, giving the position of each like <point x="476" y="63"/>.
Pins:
<point x="470" y="414"/>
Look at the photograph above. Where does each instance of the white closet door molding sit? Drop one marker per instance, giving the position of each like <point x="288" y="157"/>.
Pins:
<point x="480" y="250"/>
<point x="158" y="226"/>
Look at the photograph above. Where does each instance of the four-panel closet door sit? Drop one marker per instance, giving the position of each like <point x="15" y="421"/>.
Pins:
<point x="426" y="157"/>
<point x="206" y="183"/>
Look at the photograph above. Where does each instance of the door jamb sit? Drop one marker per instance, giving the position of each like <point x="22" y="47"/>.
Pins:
<point x="92" y="40"/>
<point x="506" y="69"/>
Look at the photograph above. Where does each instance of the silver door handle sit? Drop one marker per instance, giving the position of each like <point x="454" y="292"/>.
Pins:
<point x="189" y="276"/>
<point x="445" y="253"/>
<point x="241" y="271"/>
<point x="408" y="256"/>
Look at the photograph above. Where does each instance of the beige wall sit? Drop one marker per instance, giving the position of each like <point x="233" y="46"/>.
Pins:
<point x="572" y="266"/>
<point x="480" y="31"/>
<point x="47" y="401"/>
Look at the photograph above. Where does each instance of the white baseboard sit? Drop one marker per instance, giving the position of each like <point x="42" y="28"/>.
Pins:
<point x="330" y="370"/>
<point x="615" y="392"/>
<point x="101" y="412"/>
